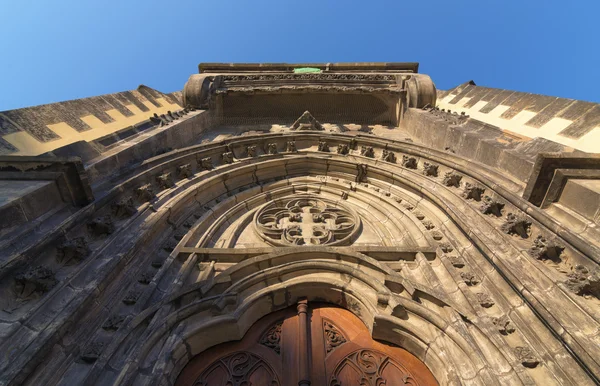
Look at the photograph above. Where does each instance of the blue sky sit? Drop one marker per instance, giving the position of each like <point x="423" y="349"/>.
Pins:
<point x="67" y="49"/>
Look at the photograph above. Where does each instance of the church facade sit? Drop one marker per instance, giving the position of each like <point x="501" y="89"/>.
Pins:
<point x="301" y="224"/>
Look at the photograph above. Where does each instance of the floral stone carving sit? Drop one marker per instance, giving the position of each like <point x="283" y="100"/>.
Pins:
<point x="430" y="169"/>
<point x="452" y="179"/>
<point x="165" y="181"/>
<point x="527" y="357"/>
<point x="72" y="251"/>
<point x="144" y="193"/>
<point x="544" y="249"/>
<point x="491" y="206"/>
<point x="516" y="225"/>
<point x="388" y="156"/>
<point x="469" y="278"/>
<point x="206" y="163"/>
<point x="306" y="220"/>
<point x="101" y="226"/>
<point x="272" y="338"/>
<point x="504" y="324"/>
<point x="343" y="149"/>
<point x="409" y="162"/>
<point x="124" y="207"/>
<point x="367" y="151"/>
<point x="92" y="352"/>
<point x="472" y="192"/>
<point x="323" y="146"/>
<point x="333" y="336"/>
<point x="184" y="171"/>
<point x="583" y="282"/>
<point x="484" y="300"/>
<point x="31" y="284"/>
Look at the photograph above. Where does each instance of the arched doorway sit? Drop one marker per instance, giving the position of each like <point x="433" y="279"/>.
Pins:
<point x="316" y="344"/>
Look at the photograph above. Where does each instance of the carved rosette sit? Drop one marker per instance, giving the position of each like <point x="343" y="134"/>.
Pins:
<point x="333" y="336"/>
<point x="306" y="220"/>
<point x="272" y="338"/>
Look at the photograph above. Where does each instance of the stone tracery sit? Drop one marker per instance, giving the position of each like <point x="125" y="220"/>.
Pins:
<point x="306" y="220"/>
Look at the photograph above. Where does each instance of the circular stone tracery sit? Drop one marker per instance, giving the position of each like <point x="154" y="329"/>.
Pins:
<point x="306" y="220"/>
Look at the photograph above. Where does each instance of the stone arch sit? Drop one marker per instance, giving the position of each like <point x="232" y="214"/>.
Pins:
<point x="330" y="277"/>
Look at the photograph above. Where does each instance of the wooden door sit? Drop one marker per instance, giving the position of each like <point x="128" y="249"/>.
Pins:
<point x="312" y="344"/>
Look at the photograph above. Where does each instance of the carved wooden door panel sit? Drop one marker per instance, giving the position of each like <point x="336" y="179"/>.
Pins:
<point x="316" y="345"/>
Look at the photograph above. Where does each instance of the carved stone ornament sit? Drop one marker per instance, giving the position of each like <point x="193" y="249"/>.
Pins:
<point x="165" y="181"/>
<point x="491" y="206"/>
<point x="114" y="322"/>
<point x="361" y="175"/>
<point x="452" y="179"/>
<point x="291" y="147"/>
<point x="527" y="357"/>
<point x="343" y="149"/>
<point x="227" y="157"/>
<point x="251" y="151"/>
<point x="306" y="220"/>
<point x="452" y="117"/>
<point x="206" y="163"/>
<point x="367" y="151"/>
<point x="504" y="325"/>
<point x="544" y="249"/>
<point x="101" y="226"/>
<point x="516" y="225"/>
<point x="344" y="195"/>
<point x="272" y="338"/>
<point x="307" y="122"/>
<point x="469" y="278"/>
<point x="456" y="261"/>
<point x="409" y="162"/>
<point x="146" y="277"/>
<point x="184" y="171"/>
<point x="30" y="285"/>
<point x="446" y="247"/>
<point x="430" y="169"/>
<point x="144" y="193"/>
<point x="484" y="300"/>
<point x="238" y="369"/>
<point x="388" y="156"/>
<point x="72" y="251"/>
<point x="132" y="297"/>
<point x="333" y="336"/>
<point x="124" y="207"/>
<point x="309" y="76"/>
<point x="428" y="224"/>
<point x="472" y="192"/>
<point x="92" y="352"/>
<point x="583" y="282"/>
<point x="271" y="148"/>
<point x="323" y="146"/>
<point x="369" y="365"/>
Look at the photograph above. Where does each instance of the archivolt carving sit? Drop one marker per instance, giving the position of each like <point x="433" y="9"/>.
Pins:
<point x="306" y="220"/>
